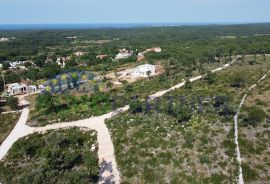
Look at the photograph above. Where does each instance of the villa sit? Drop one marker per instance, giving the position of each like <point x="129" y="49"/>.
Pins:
<point x="79" y="53"/>
<point x="18" y="89"/>
<point x="123" y="54"/>
<point x="145" y="70"/>
<point x="62" y="60"/>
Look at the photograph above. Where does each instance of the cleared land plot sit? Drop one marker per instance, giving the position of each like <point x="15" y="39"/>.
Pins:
<point x="161" y="146"/>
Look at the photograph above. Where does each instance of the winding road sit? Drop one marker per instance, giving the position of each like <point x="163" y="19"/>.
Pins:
<point x="109" y="171"/>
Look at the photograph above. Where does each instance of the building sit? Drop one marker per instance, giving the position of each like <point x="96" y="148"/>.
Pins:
<point x="18" y="89"/>
<point x="145" y="70"/>
<point x="15" y="89"/>
<point x="123" y="54"/>
<point x="4" y="39"/>
<point x="102" y="56"/>
<point x="62" y="60"/>
<point x="31" y="89"/>
<point x="155" y="49"/>
<point x="140" y="56"/>
<point x="79" y="53"/>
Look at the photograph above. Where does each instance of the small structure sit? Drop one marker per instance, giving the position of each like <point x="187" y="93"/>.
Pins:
<point x="102" y="56"/>
<point x="155" y="49"/>
<point x="145" y="70"/>
<point x="18" y="89"/>
<point x="62" y="60"/>
<point x="140" y="57"/>
<point x="15" y="89"/>
<point x="4" y="39"/>
<point x="123" y="54"/>
<point x="31" y="89"/>
<point x="79" y="53"/>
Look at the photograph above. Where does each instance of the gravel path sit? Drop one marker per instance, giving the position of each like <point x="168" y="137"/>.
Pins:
<point x="235" y="118"/>
<point x="109" y="171"/>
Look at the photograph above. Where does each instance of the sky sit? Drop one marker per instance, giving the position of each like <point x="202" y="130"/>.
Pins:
<point x="133" y="11"/>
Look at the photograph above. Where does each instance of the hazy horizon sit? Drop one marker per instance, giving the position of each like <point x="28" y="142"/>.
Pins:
<point x="140" y="11"/>
<point x="115" y="25"/>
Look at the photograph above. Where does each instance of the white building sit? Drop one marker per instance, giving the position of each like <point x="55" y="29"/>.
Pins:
<point x="155" y="49"/>
<point x="15" y="89"/>
<point x="31" y="89"/>
<point x="4" y="39"/>
<point x="140" y="71"/>
<point x="62" y="60"/>
<point x="123" y="54"/>
<point x="79" y="53"/>
<point x="18" y="89"/>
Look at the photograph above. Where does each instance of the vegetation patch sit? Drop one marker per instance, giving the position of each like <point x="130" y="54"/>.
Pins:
<point x="7" y="123"/>
<point x="63" y="156"/>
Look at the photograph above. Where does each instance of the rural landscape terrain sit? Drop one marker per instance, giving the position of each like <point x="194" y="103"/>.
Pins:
<point x="166" y="104"/>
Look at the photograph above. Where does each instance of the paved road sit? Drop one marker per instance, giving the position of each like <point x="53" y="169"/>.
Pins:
<point x="109" y="170"/>
<point x="20" y="130"/>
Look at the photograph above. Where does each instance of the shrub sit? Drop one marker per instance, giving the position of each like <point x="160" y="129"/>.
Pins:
<point x="136" y="107"/>
<point x="12" y="102"/>
<point x="211" y="78"/>
<point x="255" y="115"/>
<point x="238" y="80"/>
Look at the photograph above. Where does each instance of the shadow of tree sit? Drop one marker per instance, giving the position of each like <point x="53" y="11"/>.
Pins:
<point x="106" y="178"/>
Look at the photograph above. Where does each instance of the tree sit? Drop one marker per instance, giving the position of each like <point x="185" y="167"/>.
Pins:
<point x="40" y="63"/>
<point x="129" y="88"/>
<point x="211" y="78"/>
<point x="238" y="80"/>
<point x="45" y="101"/>
<point x="167" y="69"/>
<point x="136" y="107"/>
<point x="6" y="66"/>
<point x="12" y="102"/>
<point x="255" y="115"/>
<point x="188" y="84"/>
<point x="148" y="73"/>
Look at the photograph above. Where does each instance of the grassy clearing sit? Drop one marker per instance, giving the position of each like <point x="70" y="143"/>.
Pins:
<point x="7" y="123"/>
<point x="63" y="156"/>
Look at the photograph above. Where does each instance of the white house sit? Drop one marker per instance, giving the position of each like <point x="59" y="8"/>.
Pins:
<point x="79" y="53"/>
<point x="123" y="54"/>
<point x="18" y="89"/>
<point x="62" y="60"/>
<point x="155" y="49"/>
<point x="145" y="70"/>
<point x="15" y="89"/>
<point x="31" y="89"/>
<point x="4" y="39"/>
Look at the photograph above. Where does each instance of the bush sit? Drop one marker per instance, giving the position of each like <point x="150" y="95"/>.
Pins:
<point x="238" y="81"/>
<point x="54" y="157"/>
<point x="255" y="115"/>
<point x="211" y="78"/>
<point x="44" y="101"/>
<point x="136" y="107"/>
<point x="12" y="102"/>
